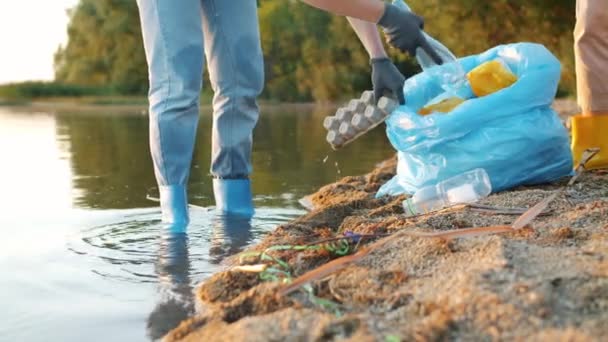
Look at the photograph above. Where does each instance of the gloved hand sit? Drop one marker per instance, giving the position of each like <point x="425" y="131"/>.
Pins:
<point x="386" y="76"/>
<point x="403" y="30"/>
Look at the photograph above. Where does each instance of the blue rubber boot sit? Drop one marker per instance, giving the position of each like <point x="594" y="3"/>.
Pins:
<point x="233" y="196"/>
<point x="174" y="204"/>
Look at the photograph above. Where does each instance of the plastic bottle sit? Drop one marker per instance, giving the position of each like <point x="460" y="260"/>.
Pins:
<point x="467" y="187"/>
<point x="490" y="77"/>
<point x="451" y="74"/>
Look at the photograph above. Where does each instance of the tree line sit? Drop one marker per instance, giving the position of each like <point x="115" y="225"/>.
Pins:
<point x="309" y="54"/>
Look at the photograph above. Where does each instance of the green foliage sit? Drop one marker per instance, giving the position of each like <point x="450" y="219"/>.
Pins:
<point x="392" y="338"/>
<point x="312" y="55"/>
<point x="29" y="90"/>
<point x="104" y="47"/>
<point x="469" y="26"/>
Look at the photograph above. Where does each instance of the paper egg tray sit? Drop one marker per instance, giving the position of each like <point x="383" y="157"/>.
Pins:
<point x="357" y="118"/>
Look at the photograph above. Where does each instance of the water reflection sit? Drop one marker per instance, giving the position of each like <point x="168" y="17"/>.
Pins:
<point x="112" y="168"/>
<point x="230" y="235"/>
<point x="33" y="171"/>
<point x="173" y="267"/>
<point x="175" y="296"/>
<point x="117" y="268"/>
<point x="110" y="159"/>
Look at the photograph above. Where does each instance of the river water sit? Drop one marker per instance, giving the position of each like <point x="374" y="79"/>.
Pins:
<point x="84" y="255"/>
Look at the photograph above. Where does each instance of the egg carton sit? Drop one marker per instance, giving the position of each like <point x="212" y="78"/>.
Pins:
<point x="357" y="118"/>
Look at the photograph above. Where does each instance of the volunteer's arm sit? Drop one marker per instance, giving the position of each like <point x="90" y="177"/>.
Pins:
<point x="368" y="10"/>
<point x="403" y="28"/>
<point x="369" y="37"/>
<point x="385" y="76"/>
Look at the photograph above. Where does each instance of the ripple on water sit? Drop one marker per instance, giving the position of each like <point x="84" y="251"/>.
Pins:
<point x="138" y="248"/>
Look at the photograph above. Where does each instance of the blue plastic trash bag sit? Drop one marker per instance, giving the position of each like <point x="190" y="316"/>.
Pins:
<point x="513" y="134"/>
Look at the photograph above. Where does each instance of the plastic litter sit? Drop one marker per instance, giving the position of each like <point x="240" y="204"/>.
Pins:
<point x="523" y="220"/>
<point x="490" y="77"/>
<point x="468" y="187"/>
<point x="443" y="106"/>
<point x="513" y="134"/>
<point x="486" y="79"/>
<point x="357" y="118"/>
<point x="360" y="115"/>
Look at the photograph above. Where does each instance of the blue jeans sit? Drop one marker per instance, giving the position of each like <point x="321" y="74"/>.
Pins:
<point x="176" y="34"/>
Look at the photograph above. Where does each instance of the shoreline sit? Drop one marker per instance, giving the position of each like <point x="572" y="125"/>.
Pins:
<point x="546" y="281"/>
<point x="142" y="108"/>
<point x="565" y="106"/>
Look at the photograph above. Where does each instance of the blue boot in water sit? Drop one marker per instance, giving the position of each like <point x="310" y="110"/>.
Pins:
<point x="233" y="196"/>
<point x="174" y="204"/>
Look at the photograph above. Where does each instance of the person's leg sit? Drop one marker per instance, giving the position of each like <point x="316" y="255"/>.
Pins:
<point x="173" y="42"/>
<point x="589" y="129"/>
<point x="236" y="70"/>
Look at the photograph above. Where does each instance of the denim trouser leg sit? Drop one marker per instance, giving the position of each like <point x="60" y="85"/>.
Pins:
<point x="173" y="39"/>
<point x="236" y="70"/>
<point x="174" y="50"/>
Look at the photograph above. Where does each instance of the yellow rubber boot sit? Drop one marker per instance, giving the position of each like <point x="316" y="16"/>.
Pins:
<point x="587" y="132"/>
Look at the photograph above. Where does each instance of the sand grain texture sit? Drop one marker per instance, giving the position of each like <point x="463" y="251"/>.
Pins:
<point x="547" y="281"/>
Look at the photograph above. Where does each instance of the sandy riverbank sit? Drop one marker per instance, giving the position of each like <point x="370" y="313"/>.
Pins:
<point x="547" y="281"/>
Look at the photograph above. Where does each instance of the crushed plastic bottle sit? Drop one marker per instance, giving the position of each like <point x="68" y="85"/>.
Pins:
<point x="490" y="77"/>
<point x="450" y="74"/>
<point x="467" y="187"/>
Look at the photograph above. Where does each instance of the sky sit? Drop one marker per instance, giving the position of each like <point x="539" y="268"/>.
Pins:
<point x="30" y="32"/>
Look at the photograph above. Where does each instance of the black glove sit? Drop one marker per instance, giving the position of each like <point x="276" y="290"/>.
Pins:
<point x="386" y="76"/>
<point x="403" y="30"/>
